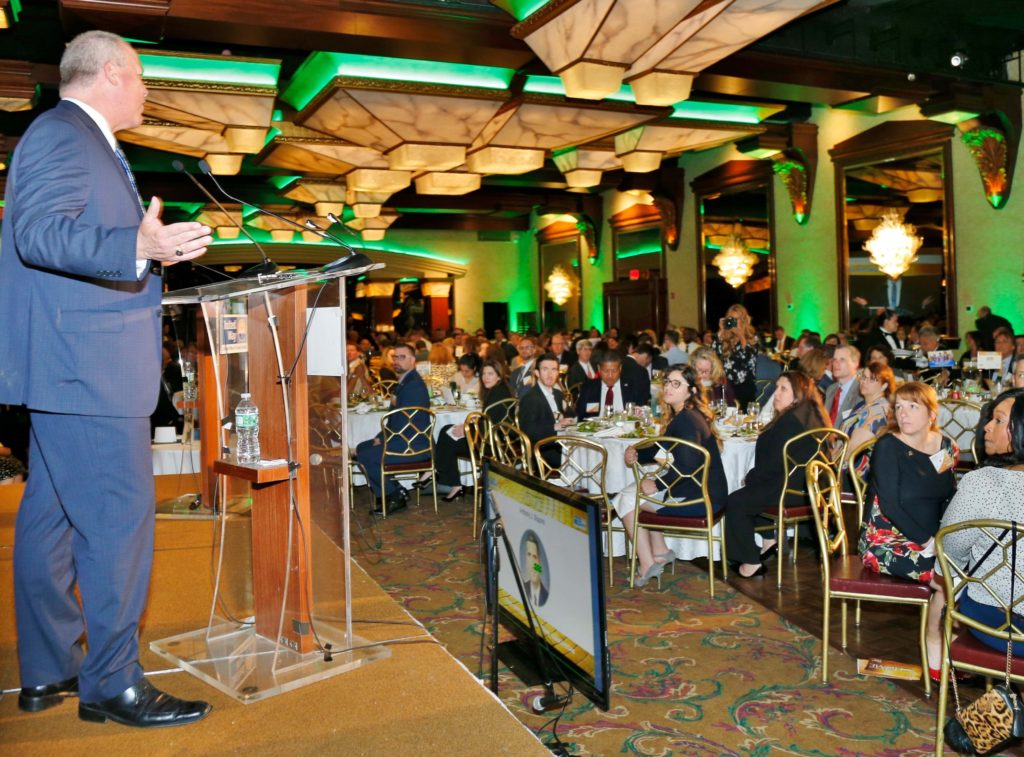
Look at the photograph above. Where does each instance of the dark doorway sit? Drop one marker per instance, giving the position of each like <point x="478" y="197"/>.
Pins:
<point x="495" y="317"/>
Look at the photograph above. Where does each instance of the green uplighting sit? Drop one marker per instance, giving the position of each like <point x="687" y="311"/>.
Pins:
<point x="408" y="280"/>
<point x="280" y="182"/>
<point x="637" y="252"/>
<point x="758" y="250"/>
<point x="953" y="117"/>
<point x="386" y="246"/>
<point x="179" y="67"/>
<point x="15" y="10"/>
<point x="800" y="218"/>
<point x="552" y="85"/>
<point x="732" y="113"/>
<point x="320" y="68"/>
<point x="521" y="9"/>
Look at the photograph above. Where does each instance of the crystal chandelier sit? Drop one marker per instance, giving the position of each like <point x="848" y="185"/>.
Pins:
<point x="893" y="245"/>
<point x="735" y="262"/>
<point x="560" y="285"/>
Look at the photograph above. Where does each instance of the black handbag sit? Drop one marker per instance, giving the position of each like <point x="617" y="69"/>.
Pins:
<point x="995" y="718"/>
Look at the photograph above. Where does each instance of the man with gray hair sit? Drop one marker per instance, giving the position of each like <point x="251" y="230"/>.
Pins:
<point x="80" y="269"/>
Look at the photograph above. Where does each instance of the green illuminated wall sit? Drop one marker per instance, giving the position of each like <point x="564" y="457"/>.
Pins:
<point x="496" y="271"/>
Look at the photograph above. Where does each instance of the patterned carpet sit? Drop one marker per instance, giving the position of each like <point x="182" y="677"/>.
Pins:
<point x="691" y="675"/>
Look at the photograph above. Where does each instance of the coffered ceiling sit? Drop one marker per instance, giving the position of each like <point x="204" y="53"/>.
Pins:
<point x="450" y="114"/>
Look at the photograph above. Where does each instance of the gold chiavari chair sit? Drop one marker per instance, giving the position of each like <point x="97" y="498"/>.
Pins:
<point x="384" y="387"/>
<point x="504" y="411"/>
<point x="477" y="427"/>
<point x="581" y="468"/>
<point x="964" y="651"/>
<point x="844" y="575"/>
<point x="857" y="466"/>
<point x="688" y="527"/>
<point x="960" y="424"/>
<point x="406" y="435"/>
<point x="572" y="396"/>
<point x="829" y="446"/>
<point x="510" y="446"/>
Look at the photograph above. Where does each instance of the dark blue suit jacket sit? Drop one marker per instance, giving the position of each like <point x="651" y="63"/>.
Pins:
<point x="593" y="393"/>
<point x="411" y="391"/>
<point x="82" y="332"/>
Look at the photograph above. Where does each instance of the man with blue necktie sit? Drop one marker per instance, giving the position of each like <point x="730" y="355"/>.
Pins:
<point x="80" y="272"/>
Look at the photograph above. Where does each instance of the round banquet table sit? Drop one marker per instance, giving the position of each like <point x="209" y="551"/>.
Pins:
<point x="737" y="459"/>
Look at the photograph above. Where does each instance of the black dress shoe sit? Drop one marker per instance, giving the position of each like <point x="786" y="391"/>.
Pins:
<point x="144" y="706"/>
<point x="770" y="552"/>
<point x="39" y="698"/>
<point x="396" y="501"/>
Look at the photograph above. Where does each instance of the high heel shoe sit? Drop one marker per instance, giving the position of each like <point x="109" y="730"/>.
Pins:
<point x="421" y="483"/>
<point x="665" y="558"/>
<point x="770" y="552"/>
<point x="962" y="676"/>
<point x="454" y="494"/>
<point x="654" y="571"/>
<point x="759" y="572"/>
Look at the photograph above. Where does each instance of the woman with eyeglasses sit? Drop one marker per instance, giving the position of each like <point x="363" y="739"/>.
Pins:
<point x="689" y="419"/>
<point x="871" y="417"/>
<point x="798" y="408"/>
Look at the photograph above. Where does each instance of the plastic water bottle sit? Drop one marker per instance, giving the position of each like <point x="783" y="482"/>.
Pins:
<point x="247" y="429"/>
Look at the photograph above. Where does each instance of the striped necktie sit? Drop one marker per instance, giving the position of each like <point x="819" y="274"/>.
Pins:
<point x="128" y="172"/>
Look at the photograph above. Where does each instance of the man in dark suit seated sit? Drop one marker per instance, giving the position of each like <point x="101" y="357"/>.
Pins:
<point x="636" y="371"/>
<point x="542" y="408"/>
<point x="609" y="389"/>
<point x="410" y="391"/>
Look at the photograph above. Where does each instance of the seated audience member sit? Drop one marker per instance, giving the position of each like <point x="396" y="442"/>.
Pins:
<point x="910" y="484"/>
<point x="542" y="410"/>
<point x="409" y="392"/>
<point x="711" y="377"/>
<point x="798" y="409"/>
<point x="358" y="381"/>
<point x="451" y="442"/>
<point x="386" y="371"/>
<point x="582" y="370"/>
<point x="635" y="372"/>
<point x="884" y="330"/>
<point x="1018" y="373"/>
<point x="466" y="376"/>
<point x="804" y="344"/>
<point x="780" y="342"/>
<point x="737" y="347"/>
<point x="522" y="377"/>
<point x="671" y="351"/>
<point x="559" y="347"/>
<point x="609" y="390"/>
<point x="1005" y="346"/>
<point x="843" y="395"/>
<point x="871" y="417"/>
<point x="992" y="491"/>
<point x="11" y="470"/>
<point x="440" y="354"/>
<point x="815" y="364"/>
<point x="971" y="353"/>
<point x="690" y="419"/>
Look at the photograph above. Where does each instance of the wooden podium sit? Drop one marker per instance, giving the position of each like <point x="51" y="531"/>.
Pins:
<point x="274" y="634"/>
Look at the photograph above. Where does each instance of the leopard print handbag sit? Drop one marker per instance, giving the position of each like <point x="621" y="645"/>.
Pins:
<point x="995" y="718"/>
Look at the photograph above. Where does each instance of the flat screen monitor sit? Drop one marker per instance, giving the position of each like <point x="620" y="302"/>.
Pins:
<point x="556" y="539"/>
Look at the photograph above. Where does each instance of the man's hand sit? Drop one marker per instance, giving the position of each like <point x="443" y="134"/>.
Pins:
<point x="169" y="243"/>
<point x="630" y="455"/>
<point x="648" y="487"/>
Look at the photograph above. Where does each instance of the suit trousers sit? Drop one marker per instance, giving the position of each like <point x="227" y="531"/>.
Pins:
<point x="86" y="518"/>
<point x="369" y="456"/>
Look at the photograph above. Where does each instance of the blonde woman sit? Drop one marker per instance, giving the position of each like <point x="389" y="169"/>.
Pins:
<point x="737" y="346"/>
<point x="711" y="375"/>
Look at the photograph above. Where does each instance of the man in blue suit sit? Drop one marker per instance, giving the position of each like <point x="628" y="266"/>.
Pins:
<point x="80" y="275"/>
<point x="410" y="391"/>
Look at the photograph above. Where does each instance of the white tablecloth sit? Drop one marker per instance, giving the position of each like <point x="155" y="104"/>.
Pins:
<point x="737" y="459"/>
<point x="173" y="459"/>
<point x="363" y="426"/>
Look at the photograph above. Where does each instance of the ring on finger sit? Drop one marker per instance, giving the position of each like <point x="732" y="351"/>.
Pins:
<point x="179" y="252"/>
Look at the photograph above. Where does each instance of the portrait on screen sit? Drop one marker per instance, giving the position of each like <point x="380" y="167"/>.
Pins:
<point x="534" y="562"/>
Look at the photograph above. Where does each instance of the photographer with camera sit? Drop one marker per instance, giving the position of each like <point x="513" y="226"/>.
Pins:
<point x="736" y="344"/>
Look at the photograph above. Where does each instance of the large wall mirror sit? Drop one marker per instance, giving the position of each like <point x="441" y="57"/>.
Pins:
<point x="894" y="194"/>
<point x="735" y="237"/>
<point x="560" y="284"/>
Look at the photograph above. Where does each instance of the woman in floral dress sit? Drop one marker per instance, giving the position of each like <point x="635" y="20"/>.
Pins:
<point x="737" y="346"/>
<point x="910" y="485"/>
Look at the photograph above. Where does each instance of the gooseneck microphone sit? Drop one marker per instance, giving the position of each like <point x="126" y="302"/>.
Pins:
<point x="352" y="260"/>
<point x="266" y="265"/>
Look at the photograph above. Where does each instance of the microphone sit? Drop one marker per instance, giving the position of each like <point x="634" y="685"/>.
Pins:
<point x="549" y="701"/>
<point x="352" y="260"/>
<point x="267" y="265"/>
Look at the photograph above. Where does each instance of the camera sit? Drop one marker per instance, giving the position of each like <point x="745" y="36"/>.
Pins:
<point x="729" y="322"/>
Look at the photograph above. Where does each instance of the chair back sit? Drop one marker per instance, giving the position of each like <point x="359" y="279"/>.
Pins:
<point x="407" y="432"/>
<point x="503" y="411"/>
<point x="996" y="565"/>
<point x="669" y="474"/>
<point x="511" y="447"/>
<point x="762" y="390"/>
<point x="477" y="427"/>
<point x="824" y="444"/>
<point x="859" y="470"/>
<point x="581" y="468"/>
<point x="825" y="490"/>
<point x="572" y="395"/>
<point x="384" y="387"/>
<point x="959" y="420"/>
